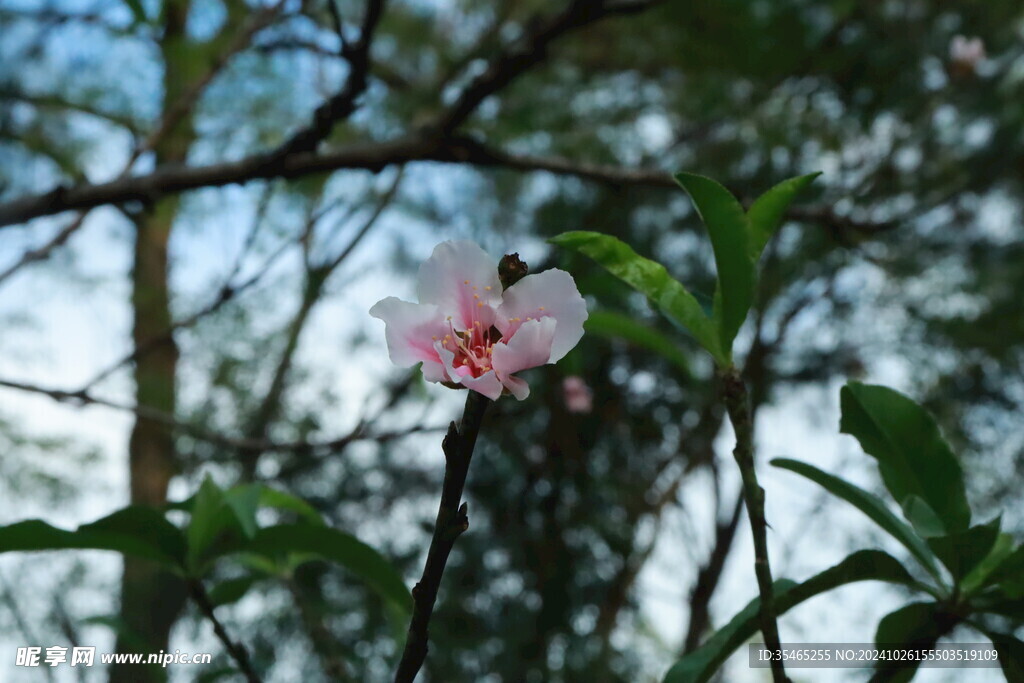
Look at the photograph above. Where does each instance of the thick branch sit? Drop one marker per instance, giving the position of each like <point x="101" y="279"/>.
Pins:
<point x="452" y="520"/>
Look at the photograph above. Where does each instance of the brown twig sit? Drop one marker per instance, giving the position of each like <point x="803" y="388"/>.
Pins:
<point x="235" y="649"/>
<point x="42" y="253"/>
<point x="452" y="520"/>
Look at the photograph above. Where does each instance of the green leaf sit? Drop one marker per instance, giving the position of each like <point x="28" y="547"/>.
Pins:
<point x="651" y="279"/>
<point x="1009" y="574"/>
<point x="272" y="498"/>
<point x="912" y="455"/>
<point x="1011" y="655"/>
<point x="209" y="518"/>
<point x="730" y="238"/>
<point x="864" y="565"/>
<point x="962" y="551"/>
<point x="922" y="517"/>
<point x="336" y="546"/>
<point x="871" y="505"/>
<point x="243" y="501"/>
<point x="980" y="575"/>
<point x="231" y="590"/>
<point x="766" y="213"/>
<point x="137" y="531"/>
<point x="618" y="326"/>
<point x="912" y="625"/>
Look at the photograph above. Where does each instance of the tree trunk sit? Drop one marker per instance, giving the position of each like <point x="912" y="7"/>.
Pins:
<point x="152" y="598"/>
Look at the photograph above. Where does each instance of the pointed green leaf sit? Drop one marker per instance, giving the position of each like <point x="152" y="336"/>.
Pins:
<point x="922" y="517"/>
<point x="137" y="531"/>
<point x="272" y="498"/>
<point x="210" y="517"/>
<point x="864" y="565"/>
<point x="651" y="279"/>
<point x="1011" y="654"/>
<point x="912" y="456"/>
<point x="1009" y="574"/>
<point x="912" y="625"/>
<point x="871" y="505"/>
<point x="616" y="325"/>
<point x="766" y="213"/>
<point x="336" y="546"/>
<point x="730" y="238"/>
<point x="1001" y="551"/>
<point x="243" y="502"/>
<point x="231" y="590"/>
<point x="962" y="551"/>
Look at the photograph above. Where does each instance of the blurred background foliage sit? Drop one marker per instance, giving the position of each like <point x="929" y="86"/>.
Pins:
<point x="903" y="263"/>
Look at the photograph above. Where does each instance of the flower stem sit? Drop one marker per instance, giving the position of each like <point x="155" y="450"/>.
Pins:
<point x="737" y="404"/>
<point x="452" y="520"/>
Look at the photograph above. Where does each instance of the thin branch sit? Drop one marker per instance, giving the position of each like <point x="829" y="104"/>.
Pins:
<point x="57" y="102"/>
<point x="709" y="576"/>
<point x="737" y="403"/>
<point x="531" y="50"/>
<point x="235" y="649"/>
<point x="81" y="398"/>
<point x="452" y="521"/>
<point x="42" y="253"/>
<point x="19" y="618"/>
<point x="343" y="103"/>
<point x="184" y="105"/>
<point x="227" y="292"/>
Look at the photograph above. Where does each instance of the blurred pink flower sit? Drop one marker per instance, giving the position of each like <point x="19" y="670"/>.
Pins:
<point x="466" y="330"/>
<point x="578" y="396"/>
<point x="965" y="54"/>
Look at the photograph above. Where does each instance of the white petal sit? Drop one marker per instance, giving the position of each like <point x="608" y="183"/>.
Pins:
<point x="517" y="387"/>
<point x="458" y="277"/>
<point x="409" y="330"/>
<point x="529" y="347"/>
<point x="552" y="293"/>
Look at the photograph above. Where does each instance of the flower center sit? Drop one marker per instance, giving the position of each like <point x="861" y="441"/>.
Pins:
<point x="472" y="347"/>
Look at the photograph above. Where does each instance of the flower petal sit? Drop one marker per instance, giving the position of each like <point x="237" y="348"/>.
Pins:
<point x="458" y="277"/>
<point x="486" y="384"/>
<point x="552" y="293"/>
<point x="529" y="347"/>
<point x="409" y="330"/>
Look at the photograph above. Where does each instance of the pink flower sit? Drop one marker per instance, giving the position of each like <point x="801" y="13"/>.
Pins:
<point x="467" y="331"/>
<point x="578" y="396"/>
<point x="966" y="51"/>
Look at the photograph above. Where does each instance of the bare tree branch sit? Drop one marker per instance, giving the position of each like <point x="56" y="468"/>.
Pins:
<point x="82" y="398"/>
<point x="343" y="103"/>
<point x="43" y="252"/>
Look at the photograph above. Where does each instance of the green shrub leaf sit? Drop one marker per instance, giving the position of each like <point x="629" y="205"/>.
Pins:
<point x="730" y="238"/>
<point x="912" y="456"/>
<point x="871" y="505"/>
<point x="864" y="565"/>
<point x="651" y="279"/>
